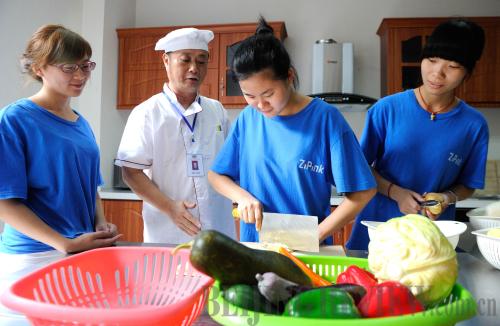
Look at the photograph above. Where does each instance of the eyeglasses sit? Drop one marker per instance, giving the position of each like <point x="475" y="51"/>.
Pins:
<point x="70" y="68"/>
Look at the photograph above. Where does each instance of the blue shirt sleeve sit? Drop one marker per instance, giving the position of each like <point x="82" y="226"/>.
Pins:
<point x="13" y="179"/>
<point x="349" y="168"/>
<point x="374" y="133"/>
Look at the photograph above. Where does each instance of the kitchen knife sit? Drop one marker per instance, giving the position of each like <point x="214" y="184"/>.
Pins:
<point x="428" y="203"/>
<point x="297" y="232"/>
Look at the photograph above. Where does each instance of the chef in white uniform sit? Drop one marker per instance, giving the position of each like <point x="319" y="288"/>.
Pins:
<point x="169" y="143"/>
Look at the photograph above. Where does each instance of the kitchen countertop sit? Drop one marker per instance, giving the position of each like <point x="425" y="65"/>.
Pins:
<point x="468" y="203"/>
<point x="475" y="274"/>
<point x="119" y="194"/>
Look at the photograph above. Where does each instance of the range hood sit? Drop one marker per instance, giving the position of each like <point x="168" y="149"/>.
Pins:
<point x="333" y="76"/>
<point x="346" y="102"/>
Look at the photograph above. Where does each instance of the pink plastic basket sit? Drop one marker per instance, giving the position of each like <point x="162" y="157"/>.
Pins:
<point x="113" y="286"/>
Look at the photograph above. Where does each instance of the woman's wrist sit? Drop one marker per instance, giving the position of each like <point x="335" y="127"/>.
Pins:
<point x="451" y="196"/>
<point x="62" y="244"/>
<point x="389" y="190"/>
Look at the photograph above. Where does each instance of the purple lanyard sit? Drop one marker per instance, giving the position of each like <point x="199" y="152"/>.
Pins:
<point x="191" y="127"/>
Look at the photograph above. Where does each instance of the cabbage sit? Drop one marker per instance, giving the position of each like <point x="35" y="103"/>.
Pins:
<point x="413" y="251"/>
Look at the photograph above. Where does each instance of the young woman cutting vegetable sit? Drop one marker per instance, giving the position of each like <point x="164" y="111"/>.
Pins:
<point x="286" y="150"/>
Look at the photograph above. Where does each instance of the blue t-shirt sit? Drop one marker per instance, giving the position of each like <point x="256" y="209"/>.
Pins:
<point x="289" y="163"/>
<point x="52" y="166"/>
<point x="414" y="152"/>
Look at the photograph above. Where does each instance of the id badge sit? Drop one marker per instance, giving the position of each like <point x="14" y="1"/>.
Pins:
<point x="195" y="165"/>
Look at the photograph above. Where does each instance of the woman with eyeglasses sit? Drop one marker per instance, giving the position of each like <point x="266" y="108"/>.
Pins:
<point x="50" y="159"/>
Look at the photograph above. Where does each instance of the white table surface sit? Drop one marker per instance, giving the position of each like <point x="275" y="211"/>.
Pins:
<point x="475" y="274"/>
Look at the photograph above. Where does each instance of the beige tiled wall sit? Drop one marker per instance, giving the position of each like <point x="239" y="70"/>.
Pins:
<point x="492" y="181"/>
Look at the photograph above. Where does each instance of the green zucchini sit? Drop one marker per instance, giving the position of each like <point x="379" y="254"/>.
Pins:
<point x="231" y="262"/>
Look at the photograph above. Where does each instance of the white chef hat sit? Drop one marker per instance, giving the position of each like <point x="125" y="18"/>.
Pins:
<point x="185" y="38"/>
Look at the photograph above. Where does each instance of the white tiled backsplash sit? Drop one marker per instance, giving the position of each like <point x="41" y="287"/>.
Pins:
<point x="492" y="181"/>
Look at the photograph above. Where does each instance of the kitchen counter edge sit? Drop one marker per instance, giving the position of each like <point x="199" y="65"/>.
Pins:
<point x="119" y="194"/>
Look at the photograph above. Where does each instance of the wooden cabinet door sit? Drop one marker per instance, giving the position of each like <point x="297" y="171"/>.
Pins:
<point x="229" y="90"/>
<point x="341" y="236"/>
<point x="408" y="44"/>
<point x="210" y="85"/>
<point x="127" y="216"/>
<point x="141" y="73"/>
<point x="400" y="56"/>
<point x="483" y="87"/>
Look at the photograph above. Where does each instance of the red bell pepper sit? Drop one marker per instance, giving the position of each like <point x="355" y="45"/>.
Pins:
<point x="356" y="275"/>
<point x="389" y="298"/>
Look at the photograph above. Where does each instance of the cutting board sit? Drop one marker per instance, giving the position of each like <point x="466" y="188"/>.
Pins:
<point x="323" y="250"/>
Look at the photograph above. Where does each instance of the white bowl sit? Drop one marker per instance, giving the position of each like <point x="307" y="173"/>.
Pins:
<point x="479" y="220"/>
<point x="372" y="226"/>
<point x="489" y="247"/>
<point x="451" y="229"/>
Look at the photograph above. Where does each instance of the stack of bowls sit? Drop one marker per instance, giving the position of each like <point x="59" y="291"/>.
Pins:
<point x="482" y="220"/>
<point x="479" y="219"/>
<point x="489" y="246"/>
<point x="450" y="229"/>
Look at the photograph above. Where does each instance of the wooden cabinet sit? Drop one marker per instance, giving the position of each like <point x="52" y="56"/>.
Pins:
<point x="141" y="73"/>
<point x="127" y="216"/>
<point x="140" y="67"/>
<point x="229" y="90"/>
<point x="340" y="237"/>
<point x="402" y="40"/>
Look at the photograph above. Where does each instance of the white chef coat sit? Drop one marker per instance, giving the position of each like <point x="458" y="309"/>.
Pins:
<point x="157" y="140"/>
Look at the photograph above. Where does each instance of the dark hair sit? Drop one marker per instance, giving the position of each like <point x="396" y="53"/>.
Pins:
<point x="53" y="44"/>
<point x="456" y="40"/>
<point x="262" y="51"/>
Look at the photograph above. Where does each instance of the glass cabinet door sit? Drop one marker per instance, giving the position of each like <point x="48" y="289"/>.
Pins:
<point x="229" y="90"/>
<point x="231" y="85"/>
<point x="411" y="50"/>
<point x="410" y="43"/>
